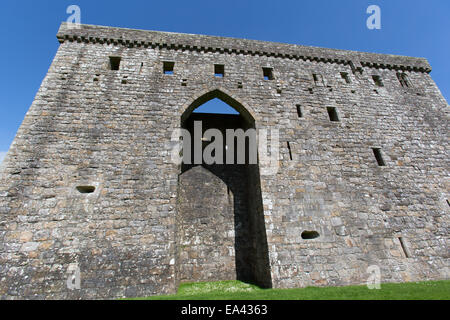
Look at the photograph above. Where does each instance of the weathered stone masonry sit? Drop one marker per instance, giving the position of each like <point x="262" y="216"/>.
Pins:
<point x="143" y="228"/>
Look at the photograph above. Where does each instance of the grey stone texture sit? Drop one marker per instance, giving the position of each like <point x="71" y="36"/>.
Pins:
<point x="206" y="240"/>
<point x="149" y="223"/>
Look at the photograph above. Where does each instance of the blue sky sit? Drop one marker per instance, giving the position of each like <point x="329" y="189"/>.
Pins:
<point x="28" y="29"/>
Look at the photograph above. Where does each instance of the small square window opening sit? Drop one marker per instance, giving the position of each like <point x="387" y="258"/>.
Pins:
<point x="219" y="70"/>
<point x="332" y="113"/>
<point x="114" y="63"/>
<point x="378" y="81"/>
<point x="168" y="67"/>
<point x="268" y="74"/>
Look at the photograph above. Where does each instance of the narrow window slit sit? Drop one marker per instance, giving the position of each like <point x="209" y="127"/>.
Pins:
<point x="404" y="247"/>
<point x="378" y="156"/>
<point x="332" y="113"/>
<point x="299" y="111"/>
<point x="290" y="151"/>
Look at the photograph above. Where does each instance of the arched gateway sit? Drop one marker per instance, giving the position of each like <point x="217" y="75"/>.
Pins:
<point x="220" y="224"/>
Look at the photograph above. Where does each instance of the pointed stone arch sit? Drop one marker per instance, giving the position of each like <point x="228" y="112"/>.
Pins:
<point x="217" y="92"/>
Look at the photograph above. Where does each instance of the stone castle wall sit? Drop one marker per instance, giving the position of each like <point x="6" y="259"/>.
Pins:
<point x="92" y="126"/>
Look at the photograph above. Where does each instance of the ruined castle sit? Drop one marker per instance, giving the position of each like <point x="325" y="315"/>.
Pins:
<point x="92" y="204"/>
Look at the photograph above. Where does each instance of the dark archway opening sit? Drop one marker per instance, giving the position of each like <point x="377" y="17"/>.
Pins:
<point x="202" y="204"/>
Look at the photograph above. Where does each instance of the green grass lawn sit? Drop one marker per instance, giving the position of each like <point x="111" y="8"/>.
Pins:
<point x="236" y="290"/>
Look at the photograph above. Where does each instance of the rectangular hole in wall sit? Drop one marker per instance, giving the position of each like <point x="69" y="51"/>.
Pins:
<point x="318" y="79"/>
<point x="403" y="78"/>
<point x="219" y="70"/>
<point x="378" y="156"/>
<point x="168" y="67"/>
<point x="315" y="77"/>
<point x="299" y="111"/>
<point x="332" y="113"/>
<point x="114" y="63"/>
<point x="268" y="74"/>
<point x="404" y="247"/>
<point x="345" y="76"/>
<point x="85" y="189"/>
<point x="289" y="149"/>
<point x="377" y="80"/>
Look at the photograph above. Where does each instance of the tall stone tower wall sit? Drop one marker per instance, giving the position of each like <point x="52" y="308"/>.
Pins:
<point x="90" y="126"/>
